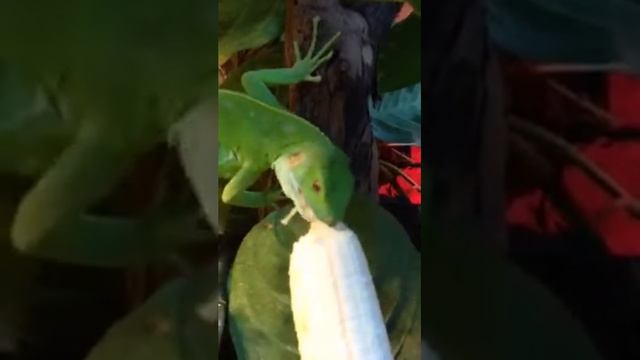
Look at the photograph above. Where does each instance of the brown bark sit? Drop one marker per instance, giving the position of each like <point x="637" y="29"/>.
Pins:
<point x="338" y="105"/>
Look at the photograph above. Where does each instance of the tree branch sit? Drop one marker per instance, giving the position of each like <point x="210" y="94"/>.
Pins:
<point x="608" y="184"/>
<point x="339" y="104"/>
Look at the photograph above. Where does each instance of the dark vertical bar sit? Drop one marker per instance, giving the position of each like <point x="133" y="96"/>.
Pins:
<point x="465" y="140"/>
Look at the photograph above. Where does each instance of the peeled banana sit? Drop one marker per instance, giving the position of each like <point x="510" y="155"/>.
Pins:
<point x="335" y="308"/>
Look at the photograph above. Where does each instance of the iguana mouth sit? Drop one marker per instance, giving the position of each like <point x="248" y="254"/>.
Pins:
<point x="299" y="202"/>
<point x="291" y="189"/>
<point x="305" y="210"/>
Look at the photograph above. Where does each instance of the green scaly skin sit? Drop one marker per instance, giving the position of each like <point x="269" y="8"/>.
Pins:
<point x="257" y="133"/>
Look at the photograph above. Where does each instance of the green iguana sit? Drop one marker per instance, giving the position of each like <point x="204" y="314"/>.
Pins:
<point x="256" y="133"/>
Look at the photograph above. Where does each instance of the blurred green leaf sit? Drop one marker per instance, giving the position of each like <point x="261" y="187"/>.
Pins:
<point x="247" y="24"/>
<point x="120" y="71"/>
<point x="261" y="321"/>
<point x="31" y="134"/>
<point x="411" y="348"/>
<point x="480" y="306"/>
<point x="178" y="322"/>
<point x="17" y="282"/>
<point x="595" y="32"/>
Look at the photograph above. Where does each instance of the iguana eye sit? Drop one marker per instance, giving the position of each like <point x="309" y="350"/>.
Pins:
<point x="316" y="186"/>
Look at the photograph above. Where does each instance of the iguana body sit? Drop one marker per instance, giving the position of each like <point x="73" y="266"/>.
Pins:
<point x="256" y="133"/>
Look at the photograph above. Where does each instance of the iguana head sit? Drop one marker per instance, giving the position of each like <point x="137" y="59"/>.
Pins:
<point x="318" y="180"/>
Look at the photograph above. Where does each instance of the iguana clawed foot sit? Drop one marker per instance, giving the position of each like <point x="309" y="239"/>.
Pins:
<point x="311" y="62"/>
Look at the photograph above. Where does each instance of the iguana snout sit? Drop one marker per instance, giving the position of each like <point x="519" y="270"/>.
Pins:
<point x="319" y="183"/>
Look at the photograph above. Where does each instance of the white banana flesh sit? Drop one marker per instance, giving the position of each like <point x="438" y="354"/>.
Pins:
<point x="335" y="308"/>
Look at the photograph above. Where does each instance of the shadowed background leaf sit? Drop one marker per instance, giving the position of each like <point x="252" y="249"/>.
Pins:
<point x="247" y="24"/>
<point x="179" y="321"/>
<point x="400" y="60"/>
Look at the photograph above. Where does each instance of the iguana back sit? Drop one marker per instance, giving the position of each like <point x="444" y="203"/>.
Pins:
<point x="262" y="128"/>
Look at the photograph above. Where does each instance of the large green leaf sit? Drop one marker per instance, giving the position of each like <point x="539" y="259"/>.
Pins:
<point x="397" y="118"/>
<point x="17" y="273"/>
<point x="247" y="24"/>
<point x="18" y="292"/>
<point x="122" y="72"/>
<point x="17" y="288"/>
<point x="400" y="56"/>
<point x="136" y="63"/>
<point x="411" y="348"/>
<point x="176" y="323"/>
<point x="480" y="306"/>
<point x="31" y="134"/>
<point x="261" y="321"/>
<point x="588" y="31"/>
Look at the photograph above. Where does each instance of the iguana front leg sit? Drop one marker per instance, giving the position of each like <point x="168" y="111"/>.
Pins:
<point x="242" y="175"/>
<point x="116" y="242"/>
<point x="255" y="82"/>
<point x="51" y="220"/>
<point x="84" y="172"/>
<point x="235" y="191"/>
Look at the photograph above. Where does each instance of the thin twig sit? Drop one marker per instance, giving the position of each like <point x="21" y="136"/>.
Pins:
<point x="582" y="68"/>
<point x="399" y="144"/>
<point x="601" y="114"/>
<point x="401" y="173"/>
<point x="404" y="157"/>
<point x="393" y="183"/>
<point x="623" y="197"/>
<point x="222" y="75"/>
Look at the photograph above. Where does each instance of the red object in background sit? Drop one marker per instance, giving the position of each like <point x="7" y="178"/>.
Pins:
<point x="535" y="212"/>
<point x="408" y="189"/>
<point x="619" y="230"/>
<point x="404" y="12"/>
<point x="624" y="99"/>
<point x="621" y="161"/>
<point x="413" y="172"/>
